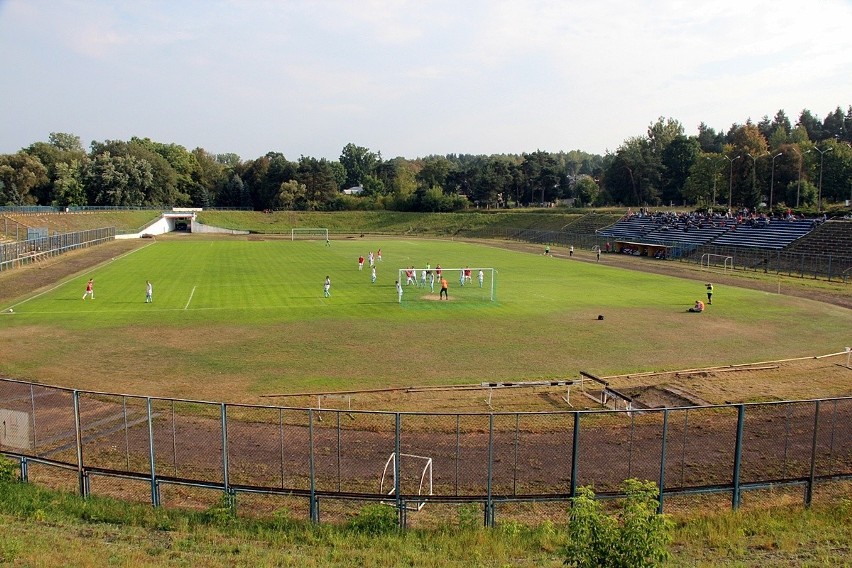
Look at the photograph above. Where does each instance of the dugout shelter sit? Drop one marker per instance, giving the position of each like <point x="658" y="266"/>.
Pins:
<point x="643" y="249"/>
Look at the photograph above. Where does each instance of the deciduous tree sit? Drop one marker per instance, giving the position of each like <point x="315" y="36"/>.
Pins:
<point x="20" y="173"/>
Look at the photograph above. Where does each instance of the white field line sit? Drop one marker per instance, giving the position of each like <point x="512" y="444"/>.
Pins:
<point x="69" y="279"/>
<point x="191" y="294"/>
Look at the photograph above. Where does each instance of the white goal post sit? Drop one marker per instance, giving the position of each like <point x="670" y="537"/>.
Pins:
<point x="424" y="483"/>
<point x="715" y="260"/>
<point x="464" y="283"/>
<point x="309" y="233"/>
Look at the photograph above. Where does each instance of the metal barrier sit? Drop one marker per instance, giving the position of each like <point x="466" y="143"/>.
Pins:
<point x="20" y="253"/>
<point x="138" y="447"/>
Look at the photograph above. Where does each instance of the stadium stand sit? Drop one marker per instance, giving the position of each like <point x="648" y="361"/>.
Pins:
<point x="691" y="229"/>
<point x="830" y="238"/>
<point x="631" y="228"/>
<point x="773" y="234"/>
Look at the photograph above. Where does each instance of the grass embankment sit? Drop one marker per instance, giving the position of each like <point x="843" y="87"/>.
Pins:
<point x="45" y="528"/>
<point x="123" y="221"/>
<point x="399" y="223"/>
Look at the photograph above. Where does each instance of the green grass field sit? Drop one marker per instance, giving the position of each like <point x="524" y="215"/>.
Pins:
<point x="234" y="319"/>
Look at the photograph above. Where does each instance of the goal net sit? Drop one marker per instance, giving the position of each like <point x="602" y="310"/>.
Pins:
<point x="717" y="261"/>
<point x="463" y="284"/>
<point x="309" y="233"/>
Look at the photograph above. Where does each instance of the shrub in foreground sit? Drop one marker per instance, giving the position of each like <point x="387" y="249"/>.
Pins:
<point x="635" y="536"/>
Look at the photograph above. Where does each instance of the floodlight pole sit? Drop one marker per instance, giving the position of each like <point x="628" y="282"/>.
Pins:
<point x="772" y="183"/>
<point x="753" y="173"/>
<point x="731" y="181"/>
<point x="799" y="186"/>
<point x="819" y="194"/>
<point x="714" y="179"/>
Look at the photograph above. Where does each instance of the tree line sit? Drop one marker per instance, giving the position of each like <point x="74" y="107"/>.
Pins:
<point x="751" y="165"/>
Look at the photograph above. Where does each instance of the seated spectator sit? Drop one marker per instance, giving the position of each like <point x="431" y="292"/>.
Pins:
<point x="698" y="307"/>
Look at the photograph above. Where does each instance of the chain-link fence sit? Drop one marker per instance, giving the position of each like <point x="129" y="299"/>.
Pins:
<point x="190" y="453"/>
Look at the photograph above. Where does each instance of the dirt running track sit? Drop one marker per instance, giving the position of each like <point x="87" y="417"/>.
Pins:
<point x="531" y="453"/>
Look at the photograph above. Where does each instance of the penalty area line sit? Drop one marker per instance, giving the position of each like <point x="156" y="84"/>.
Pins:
<point x="191" y="294"/>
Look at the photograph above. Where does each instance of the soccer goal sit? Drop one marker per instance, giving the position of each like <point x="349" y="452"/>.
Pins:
<point x="464" y="284"/>
<point x="309" y="233"/>
<point x="413" y="470"/>
<point x="716" y="260"/>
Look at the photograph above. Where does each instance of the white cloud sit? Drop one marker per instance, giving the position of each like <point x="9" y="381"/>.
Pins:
<point x="427" y="77"/>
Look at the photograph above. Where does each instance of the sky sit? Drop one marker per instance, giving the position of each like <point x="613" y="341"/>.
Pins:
<point x="411" y="78"/>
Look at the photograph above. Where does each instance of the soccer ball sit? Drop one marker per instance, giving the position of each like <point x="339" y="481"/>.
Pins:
<point x="11" y="311"/>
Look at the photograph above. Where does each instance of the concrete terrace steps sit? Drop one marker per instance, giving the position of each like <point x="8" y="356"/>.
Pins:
<point x="774" y="235"/>
<point x="830" y="238"/>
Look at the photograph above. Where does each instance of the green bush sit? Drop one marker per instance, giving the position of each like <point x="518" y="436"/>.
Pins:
<point x="636" y="536"/>
<point x="375" y="520"/>
<point x="470" y="516"/>
<point x="8" y="470"/>
<point x="224" y="513"/>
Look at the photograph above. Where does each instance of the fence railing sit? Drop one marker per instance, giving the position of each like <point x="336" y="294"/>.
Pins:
<point x="97" y="440"/>
<point x="20" y="253"/>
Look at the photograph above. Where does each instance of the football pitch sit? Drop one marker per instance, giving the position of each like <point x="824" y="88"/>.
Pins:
<point x="236" y="319"/>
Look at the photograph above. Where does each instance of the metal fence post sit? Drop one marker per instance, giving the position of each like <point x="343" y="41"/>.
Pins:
<point x="663" y="460"/>
<point x="683" y="447"/>
<point x="33" y="407"/>
<point x="489" y="503"/>
<point x="314" y="507"/>
<point x="458" y="451"/>
<point x="515" y="456"/>
<point x="738" y="450"/>
<point x="809" y="491"/>
<point x="338" y="450"/>
<point x="79" y="440"/>
<point x="397" y="468"/>
<point x="281" y="442"/>
<point x="155" y="492"/>
<point x="575" y="454"/>
<point x="126" y="433"/>
<point x="223" y="409"/>
<point x="831" y="441"/>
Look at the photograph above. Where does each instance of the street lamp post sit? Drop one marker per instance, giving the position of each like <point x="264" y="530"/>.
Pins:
<point x="819" y="191"/>
<point x="799" y="185"/>
<point x="714" y="180"/>
<point x="731" y="181"/>
<point x="753" y="173"/>
<point x="772" y="183"/>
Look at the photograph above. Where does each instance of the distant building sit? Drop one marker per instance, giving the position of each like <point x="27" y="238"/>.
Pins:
<point x="357" y="190"/>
